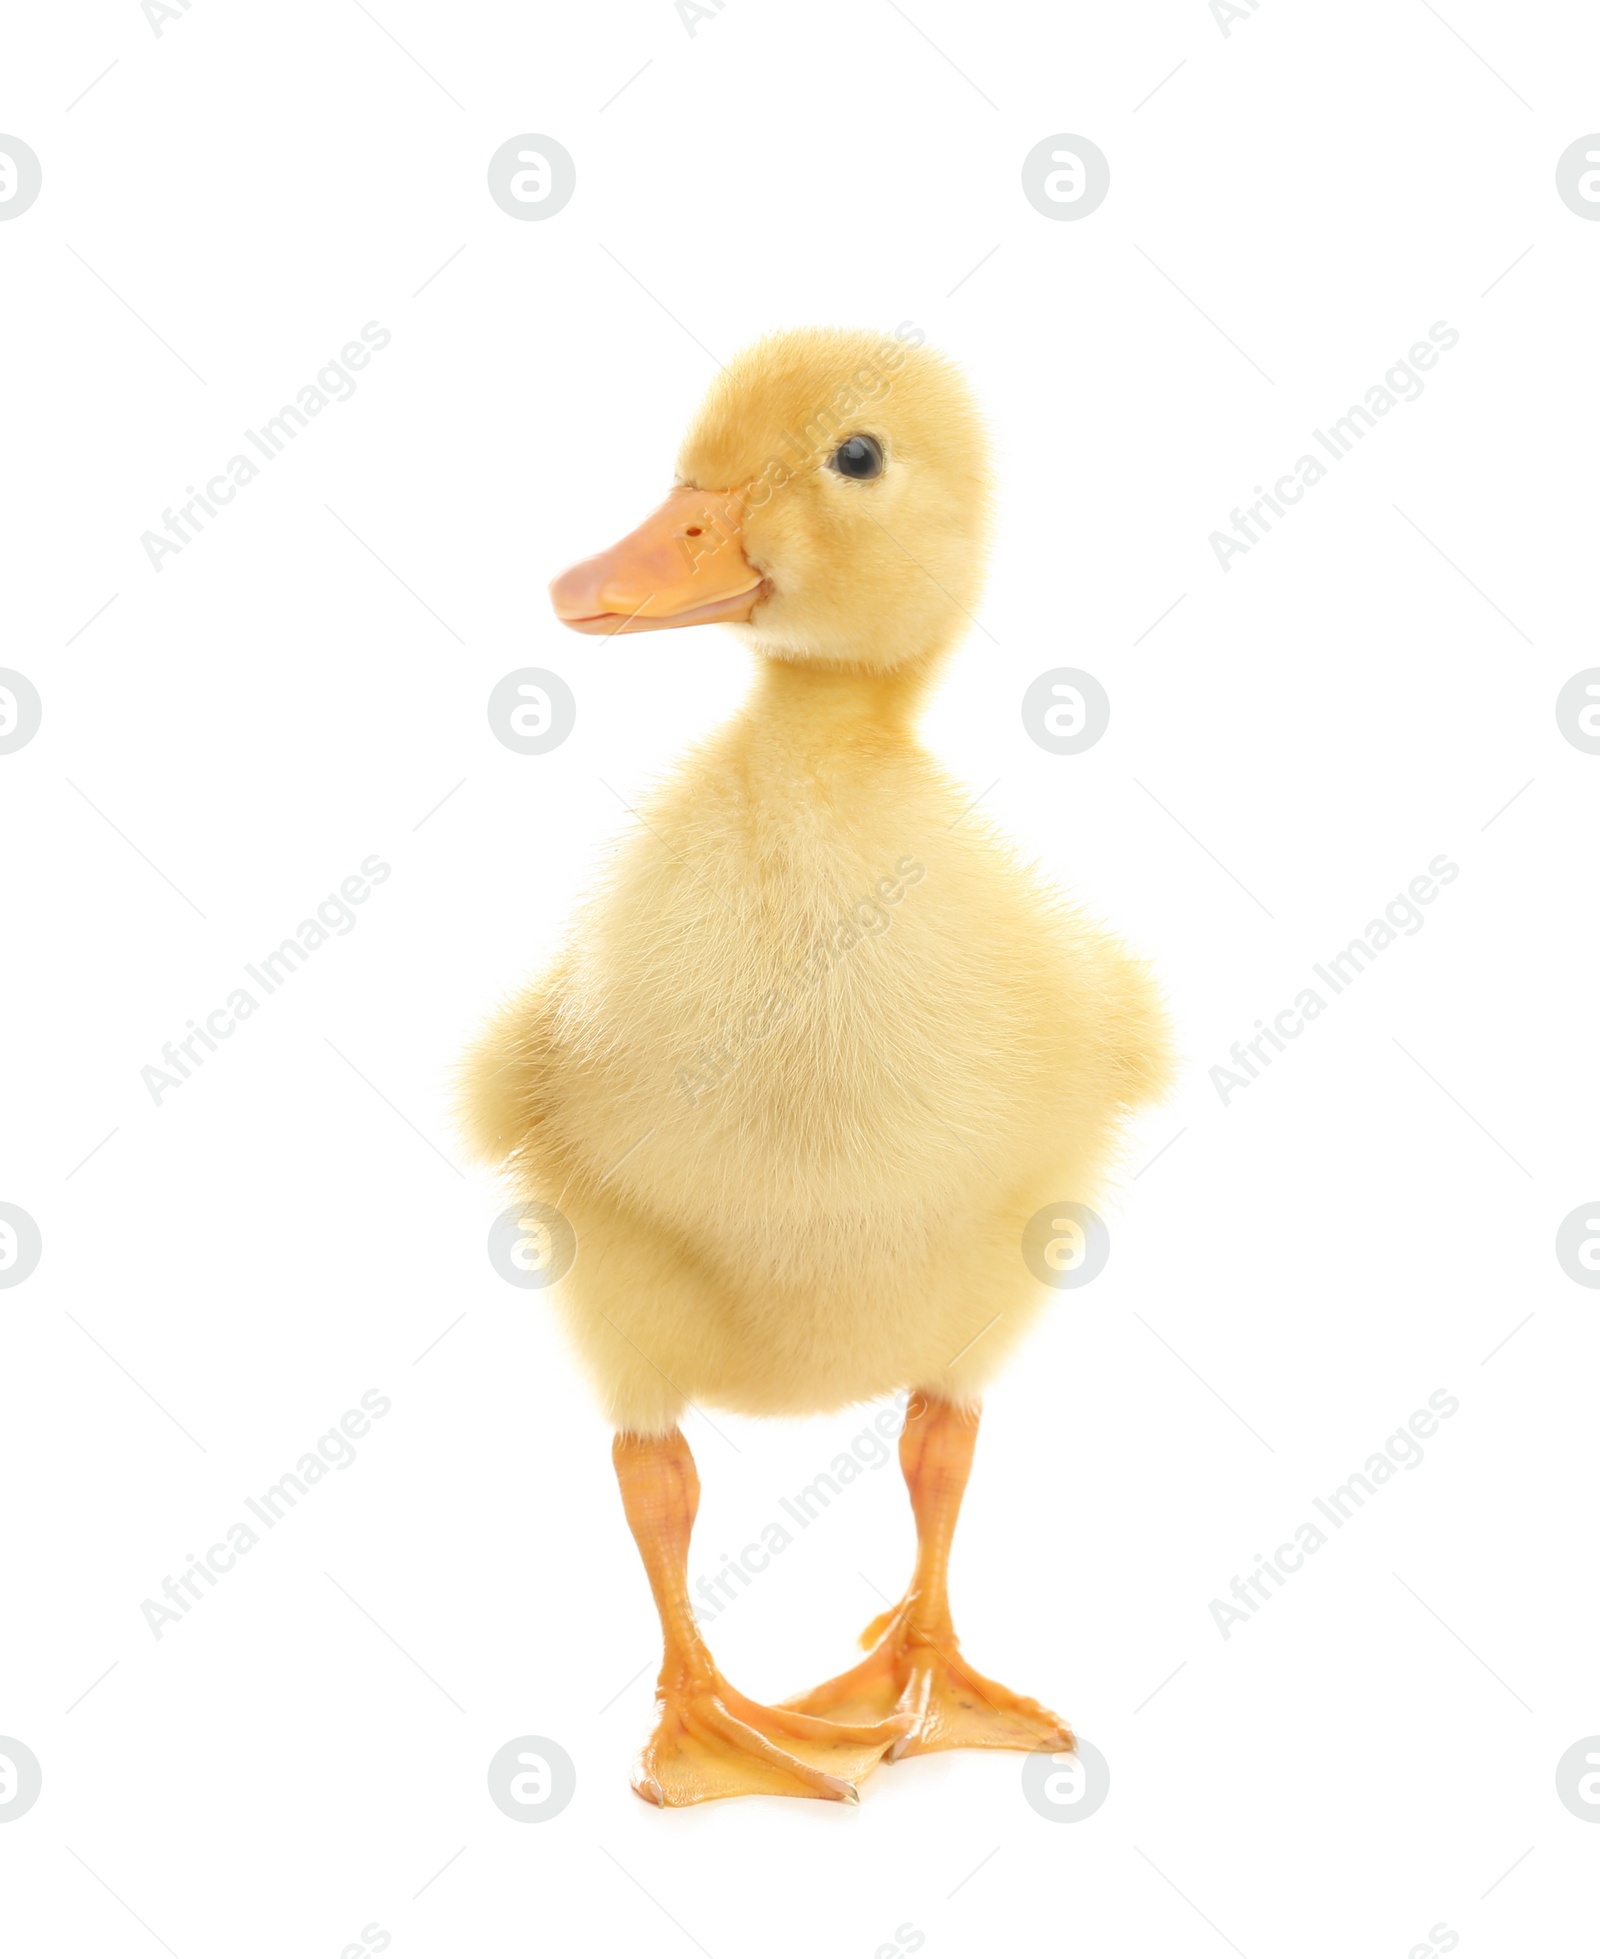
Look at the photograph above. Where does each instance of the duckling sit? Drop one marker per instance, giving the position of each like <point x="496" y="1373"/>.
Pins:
<point x="820" y="1045"/>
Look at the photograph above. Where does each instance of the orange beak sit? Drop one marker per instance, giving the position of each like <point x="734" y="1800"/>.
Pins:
<point x="683" y="566"/>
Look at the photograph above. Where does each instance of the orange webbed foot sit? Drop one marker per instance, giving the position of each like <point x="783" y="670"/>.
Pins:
<point x="710" y="1740"/>
<point x="916" y="1672"/>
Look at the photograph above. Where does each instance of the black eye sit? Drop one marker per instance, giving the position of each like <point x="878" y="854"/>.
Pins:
<point x="858" y="456"/>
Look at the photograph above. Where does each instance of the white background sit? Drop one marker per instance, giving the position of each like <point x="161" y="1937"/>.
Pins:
<point x="228" y="1272"/>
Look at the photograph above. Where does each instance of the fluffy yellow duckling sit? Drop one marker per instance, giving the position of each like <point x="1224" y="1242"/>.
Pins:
<point x="819" y="1049"/>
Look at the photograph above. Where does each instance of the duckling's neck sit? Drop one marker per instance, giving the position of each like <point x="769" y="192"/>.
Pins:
<point x="807" y="712"/>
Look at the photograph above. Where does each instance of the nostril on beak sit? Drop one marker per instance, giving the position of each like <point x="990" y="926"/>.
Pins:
<point x="692" y="531"/>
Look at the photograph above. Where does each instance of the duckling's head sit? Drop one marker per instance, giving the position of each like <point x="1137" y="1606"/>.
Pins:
<point x="831" y="504"/>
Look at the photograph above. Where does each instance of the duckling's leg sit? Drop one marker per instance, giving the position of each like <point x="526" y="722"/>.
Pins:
<point x="709" y="1740"/>
<point x="914" y="1664"/>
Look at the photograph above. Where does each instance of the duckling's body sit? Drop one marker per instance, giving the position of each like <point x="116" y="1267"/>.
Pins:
<point x="815" y="1055"/>
<point x="820" y="1047"/>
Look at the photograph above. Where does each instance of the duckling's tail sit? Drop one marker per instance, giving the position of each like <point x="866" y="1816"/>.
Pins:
<point x="499" y="1096"/>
